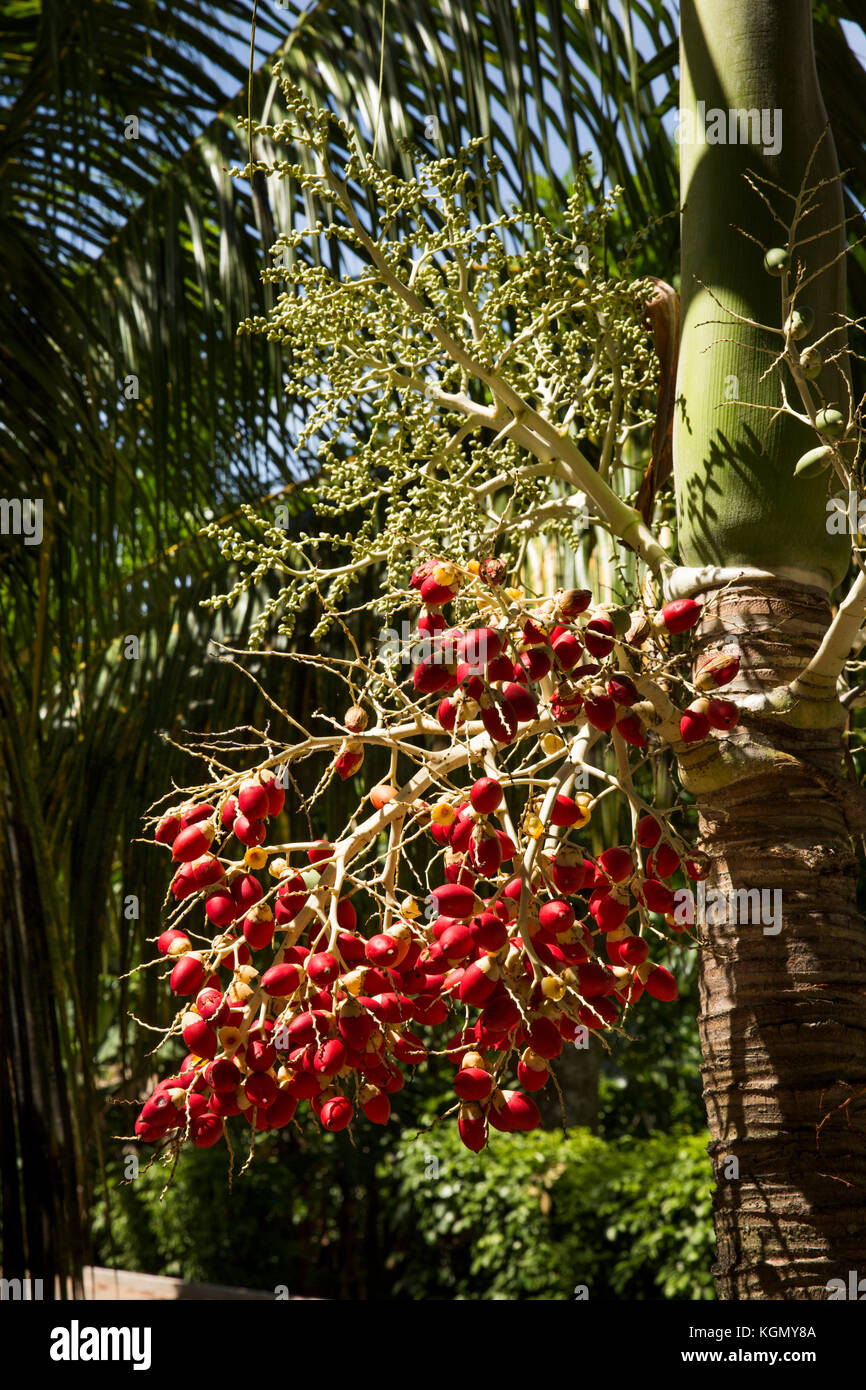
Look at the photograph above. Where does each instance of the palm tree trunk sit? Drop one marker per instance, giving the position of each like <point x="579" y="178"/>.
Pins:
<point x="782" y="1002"/>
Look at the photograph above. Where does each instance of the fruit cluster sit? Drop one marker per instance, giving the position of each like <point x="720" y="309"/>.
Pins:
<point x="527" y="941"/>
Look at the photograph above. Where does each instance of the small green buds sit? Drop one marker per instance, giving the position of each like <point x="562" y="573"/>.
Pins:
<point x="830" y="422"/>
<point x="777" y="260"/>
<point x="811" y="363"/>
<point x="800" y="322"/>
<point x="815" y="462"/>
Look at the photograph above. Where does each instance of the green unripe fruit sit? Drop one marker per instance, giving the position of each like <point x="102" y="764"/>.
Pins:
<point x="830" y="422"/>
<point x="811" y="363"/>
<point x="621" y="619"/>
<point x="777" y="260"/>
<point x="815" y="462"/>
<point x="800" y="322"/>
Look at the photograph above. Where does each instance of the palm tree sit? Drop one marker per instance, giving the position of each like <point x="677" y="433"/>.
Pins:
<point x="136" y="416"/>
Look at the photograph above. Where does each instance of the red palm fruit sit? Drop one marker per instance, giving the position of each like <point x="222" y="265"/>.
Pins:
<point x="224" y="1103"/>
<point x="206" y="1130"/>
<point x="486" y="795"/>
<point x="456" y="869"/>
<point x="622" y="690"/>
<point x="594" y="980"/>
<point x="657" y="897"/>
<point x="607" y="910"/>
<point x="436" y="594"/>
<point x="457" y="942"/>
<point x="663" y="862"/>
<point x="375" y="1105"/>
<point x="250" y="832"/>
<point x="322" y="968"/>
<point x="220" y="907"/>
<point x="617" y="863"/>
<point x="351" y="948"/>
<point x="246" y="891"/>
<point x="522" y="702"/>
<point x="649" y="832"/>
<point x="282" y="980"/>
<point x="193" y="815"/>
<point x="253" y="799"/>
<point x="680" y="615"/>
<point x="192" y="842"/>
<point x="479" y="646"/>
<point x="717" y="670"/>
<point x="485" y="851"/>
<point x="499" y="1015"/>
<point x="281" y="1110"/>
<point x="223" y="1075"/>
<point x="722" y="714"/>
<point x="382" y="949"/>
<point x="698" y="867"/>
<point x="440" y="926"/>
<point x="430" y="622"/>
<point x="598" y="637"/>
<point x="409" y="1049"/>
<point x="170" y="827"/>
<point x="212" y="1006"/>
<point x="600" y="710"/>
<point x="260" y="1055"/>
<point x="456" y="900"/>
<point x="444" y="647"/>
<point x="304" y="1085"/>
<point x="347" y="917"/>
<point x="499" y="720"/>
<point x="276" y="797"/>
<point x="446" y="714"/>
<point x="378" y="980"/>
<point x="489" y="931"/>
<point x="321" y="851"/>
<point x="513" y="888"/>
<point x="348" y="758"/>
<point x="473" y="685"/>
<point x="631" y="729"/>
<point x="536" y="662"/>
<point x="172" y="938"/>
<point x="292" y="894"/>
<point x="566" y="812"/>
<point x="336" y="1114"/>
<point x="472" y="1127"/>
<point x="533" y="634"/>
<point x="507" y="847"/>
<point x="429" y="1012"/>
<point x="355" y="1027"/>
<point x="389" y="1079"/>
<point x="499" y="670"/>
<point x="633" y="951"/>
<point x="532" y="1070"/>
<point x="567" y="869"/>
<point x="183" y="885"/>
<point x="516" y="1112"/>
<point x="310" y="1026"/>
<point x="259" y="927"/>
<point x="661" y="984"/>
<point x="544" y="1037"/>
<point x="261" y="1089"/>
<point x="205" y="871"/>
<point x="460" y="832"/>
<point x="556" y="916"/>
<point x="473" y="1083"/>
<point x="199" y="1036"/>
<point x="478" y="982"/>
<point x="606" y="1008"/>
<point x="330" y="1057"/>
<point x="229" y="813"/>
<point x="573" y="946"/>
<point x="694" y="725"/>
<point x="567" y="650"/>
<point x="187" y="977"/>
<point x="429" y="677"/>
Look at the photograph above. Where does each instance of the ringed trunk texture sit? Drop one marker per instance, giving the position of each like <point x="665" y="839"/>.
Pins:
<point x="783" y="1000"/>
<point x="783" y="1013"/>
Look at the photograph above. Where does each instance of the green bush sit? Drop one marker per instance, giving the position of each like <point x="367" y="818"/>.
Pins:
<point x="533" y="1217"/>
